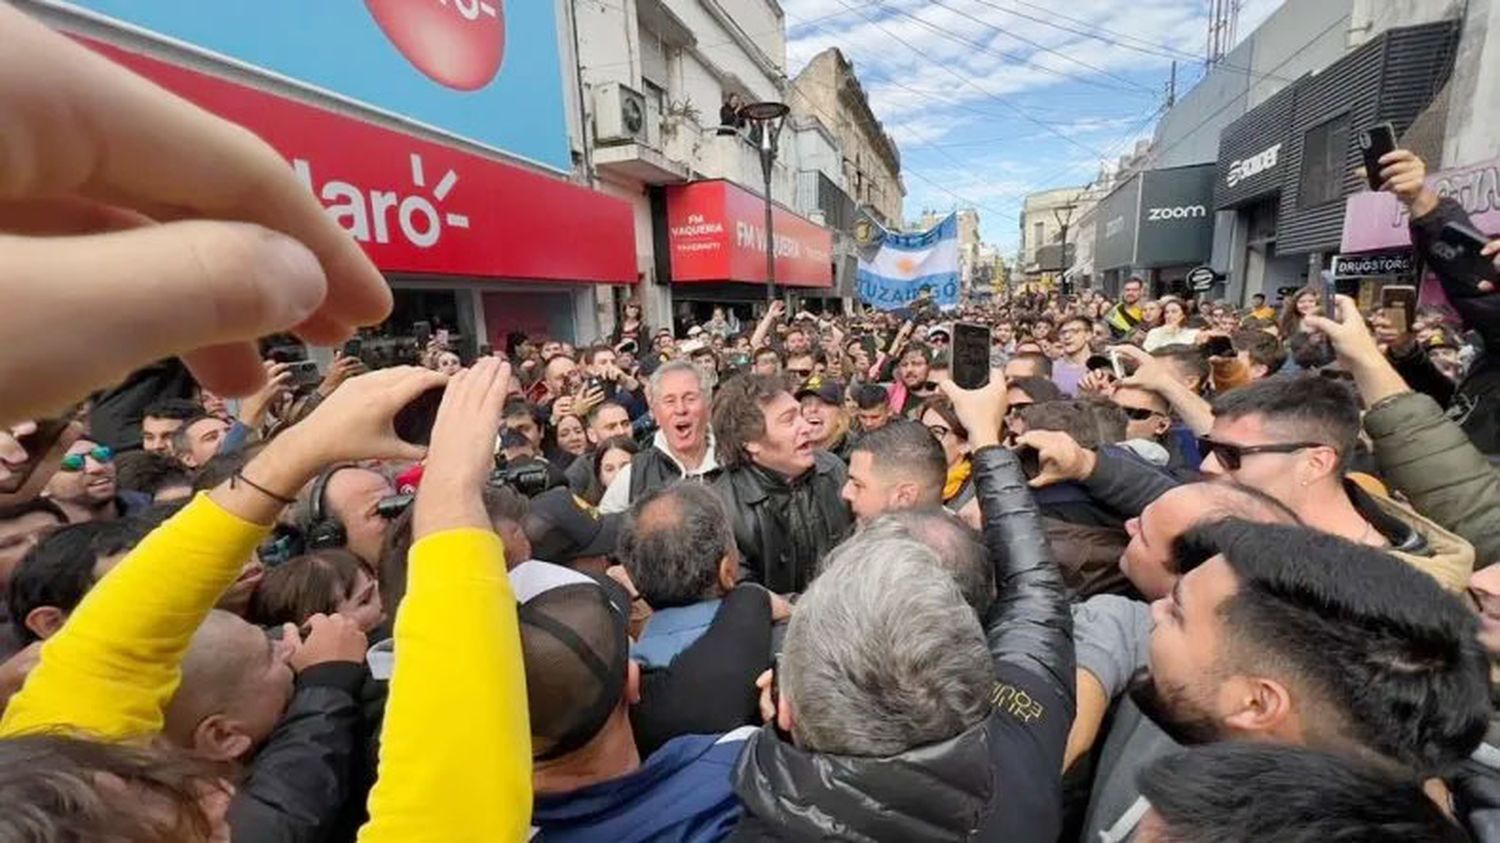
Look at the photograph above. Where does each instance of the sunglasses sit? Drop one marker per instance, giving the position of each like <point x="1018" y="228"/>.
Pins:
<point x="1139" y="413"/>
<point x="75" y="462"/>
<point x="801" y="373"/>
<point x="1018" y="406"/>
<point x="1231" y="456"/>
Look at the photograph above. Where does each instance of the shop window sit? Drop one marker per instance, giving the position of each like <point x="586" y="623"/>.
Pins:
<point x="1325" y="156"/>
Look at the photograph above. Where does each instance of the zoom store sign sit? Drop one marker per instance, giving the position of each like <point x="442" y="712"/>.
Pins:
<point x="1176" y="224"/>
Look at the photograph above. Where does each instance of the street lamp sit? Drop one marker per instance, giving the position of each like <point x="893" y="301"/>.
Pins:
<point x="768" y="118"/>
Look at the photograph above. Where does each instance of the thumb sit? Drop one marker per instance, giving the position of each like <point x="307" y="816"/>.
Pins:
<point x="1320" y="324"/>
<point x="201" y="289"/>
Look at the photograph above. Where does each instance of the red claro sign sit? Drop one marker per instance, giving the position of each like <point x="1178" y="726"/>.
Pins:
<point x="716" y="230"/>
<point x="457" y="43"/>
<point x="420" y="207"/>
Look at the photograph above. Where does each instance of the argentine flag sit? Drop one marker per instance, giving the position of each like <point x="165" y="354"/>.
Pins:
<point x="903" y="264"/>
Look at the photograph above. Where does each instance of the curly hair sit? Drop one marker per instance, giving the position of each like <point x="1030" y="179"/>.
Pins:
<point x="738" y="418"/>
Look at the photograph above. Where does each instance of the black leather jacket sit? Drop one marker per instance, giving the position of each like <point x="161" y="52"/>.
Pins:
<point x="997" y="781"/>
<point x="784" y="528"/>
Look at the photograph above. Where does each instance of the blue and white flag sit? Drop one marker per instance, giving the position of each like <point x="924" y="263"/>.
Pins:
<point x="904" y="264"/>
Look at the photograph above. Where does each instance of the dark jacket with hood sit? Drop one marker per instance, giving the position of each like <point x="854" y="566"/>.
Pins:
<point x="297" y="787"/>
<point x="999" y="780"/>
<point x="785" y="527"/>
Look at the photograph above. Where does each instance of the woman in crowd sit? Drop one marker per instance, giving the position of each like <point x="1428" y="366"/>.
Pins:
<point x="571" y="441"/>
<point x="938" y="417"/>
<point x="1173" y="329"/>
<point x="323" y="582"/>
<point x="632" y="326"/>
<point x="448" y="363"/>
<point x="1305" y="303"/>
<point x="611" y="456"/>
<point x="1151" y="315"/>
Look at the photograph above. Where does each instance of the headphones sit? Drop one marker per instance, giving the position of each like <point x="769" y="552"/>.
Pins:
<point x="322" y="531"/>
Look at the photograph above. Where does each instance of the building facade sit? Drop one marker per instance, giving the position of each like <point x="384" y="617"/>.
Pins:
<point x="1049" y="223"/>
<point x="828" y="90"/>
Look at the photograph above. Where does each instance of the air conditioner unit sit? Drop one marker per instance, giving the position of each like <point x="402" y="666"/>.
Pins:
<point x="619" y="114"/>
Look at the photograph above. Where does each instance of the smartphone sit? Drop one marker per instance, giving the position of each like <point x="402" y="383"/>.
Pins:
<point x="1374" y="143"/>
<point x="1330" y="287"/>
<point x="353" y="347"/>
<point x="305" y="373"/>
<point x="1459" y="246"/>
<point x="971" y="355"/>
<point x="1031" y="461"/>
<point x="1399" y="301"/>
<point x="37" y="444"/>
<point x="1219" y="347"/>
<point x="413" y="423"/>
<point x="422" y="333"/>
<point x="441" y="335"/>
<point x="1114" y="362"/>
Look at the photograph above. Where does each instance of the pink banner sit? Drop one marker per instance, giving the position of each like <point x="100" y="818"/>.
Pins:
<point x="1379" y="221"/>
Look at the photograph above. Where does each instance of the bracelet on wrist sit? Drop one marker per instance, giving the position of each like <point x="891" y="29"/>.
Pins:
<point x="239" y="477"/>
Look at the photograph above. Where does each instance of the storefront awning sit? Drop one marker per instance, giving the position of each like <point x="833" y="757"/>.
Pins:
<point x="421" y="207"/>
<point x="716" y="232"/>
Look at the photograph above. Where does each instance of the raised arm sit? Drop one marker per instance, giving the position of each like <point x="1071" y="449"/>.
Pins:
<point x="763" y="328"/>
<point x="117" y="661"/>
<point x="1029" y="625"/>
<point x="455" y="756"/>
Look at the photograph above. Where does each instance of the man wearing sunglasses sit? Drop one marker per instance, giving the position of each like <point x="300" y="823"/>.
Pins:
<point x="1292" y="437"/>
<point x="84" y="485"/>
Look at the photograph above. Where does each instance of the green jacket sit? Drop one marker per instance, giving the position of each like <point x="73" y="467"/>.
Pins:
<point x="1429" y="459"/>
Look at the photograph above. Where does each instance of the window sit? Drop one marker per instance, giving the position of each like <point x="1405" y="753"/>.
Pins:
<point x="1325" y="157"/>
<point x="1038" y="234"/>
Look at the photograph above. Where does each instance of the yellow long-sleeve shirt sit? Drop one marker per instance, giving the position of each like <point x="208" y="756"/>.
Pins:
<point x="456" y="750"/>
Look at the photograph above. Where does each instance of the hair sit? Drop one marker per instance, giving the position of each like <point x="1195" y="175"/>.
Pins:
<point x="1090" y="423"/>
<point x="1041" y="362"/>
<point x="1291" y="321"/>
<point x="181" y="444"/>
<point x="56" y="787"/>
<point x="1185" y="359"/>
<point x="595" y="491"/>
<point x="180" y="409"/>
<point x="738" y="418"/>
<point x="304" y="586"/>
<point x="144" y="471"/>
<point x="672" y="542"/>
<point x="881" y="656"/>
<point x="1225" y="499"/>
<point x="1311" y="407"/>
<point x="957" y="548"/>
<point x="943" y="407"/>
<point x="870" y="396"/>
<point x="394" y="549"/>
<point x="1088" y="324"/>
<point x="1378" y="653"/>
<point x="592" y="353"/>
<point x="1243" y="792"/>
<point x="909" y="449"/>
<point x="763" y="351"/>
<point x="1264" y="349"/>
<point x="1037" y="389"/>
<point x="599" y="409"/>
<point x="1310" y="351"/>
<point x="653" y="386"/>
<point x="517" y="407"/>
<point x="59" y="570"/>
<point x="918" y="349"/>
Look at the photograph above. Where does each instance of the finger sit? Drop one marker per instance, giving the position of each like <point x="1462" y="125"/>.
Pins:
<point x="1491" y="249"/>
<point x="290" y="635"/>
<point x="108" y="134"/>
<point x="237" y="281"/>
<point x="66" y="216"/>
<point x="1348" y="308"/>
<point x="1320" y="324"/>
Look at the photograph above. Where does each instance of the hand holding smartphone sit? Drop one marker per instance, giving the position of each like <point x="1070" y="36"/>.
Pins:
<point x="1461" y="247"/>
<point x="971" y="355"/>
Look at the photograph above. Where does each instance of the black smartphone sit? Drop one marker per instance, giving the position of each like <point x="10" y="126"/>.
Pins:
<point x="1031" y="461"/>
<point x="37" y="444"/>
<point x="1218" y="346"/>
<point x="1399" y="302"/>
<point x="305" y="373"/>
<point x="422" y="333"/>
<point x="971" y="355"/>
<point x="485" y="350"/>
<point x="413" y="423"/>
<point x="1374" y="143"/>
<point x="353" y="347"/>
<point x="1330" y="287"/>
<point x="1459" y="246"/>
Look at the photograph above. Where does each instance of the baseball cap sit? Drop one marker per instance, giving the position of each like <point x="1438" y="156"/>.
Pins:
<point x="935" y="330"/>
<point x="564" y="527"/>
<point x="695" y="330"/>
<point x="574" y="645"/>
<point x="827" y="389"/>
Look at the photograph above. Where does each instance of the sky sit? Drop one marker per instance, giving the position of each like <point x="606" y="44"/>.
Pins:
<point x="989" y="100"/>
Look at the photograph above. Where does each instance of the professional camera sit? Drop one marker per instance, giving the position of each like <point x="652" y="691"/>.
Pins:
<point x="528" y="477"/>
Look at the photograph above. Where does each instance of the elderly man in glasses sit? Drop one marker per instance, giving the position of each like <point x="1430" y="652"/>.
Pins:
<point x="84" y="485"/>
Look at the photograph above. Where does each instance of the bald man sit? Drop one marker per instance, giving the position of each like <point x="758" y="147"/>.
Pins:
<point x="286" y="709"/>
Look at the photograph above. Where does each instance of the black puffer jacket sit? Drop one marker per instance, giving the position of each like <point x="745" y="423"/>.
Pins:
<point x="784" y="528"/>
<point x="997" y="781"/>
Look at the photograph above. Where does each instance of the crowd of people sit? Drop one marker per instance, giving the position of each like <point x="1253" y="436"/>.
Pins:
<point x="1180" y="570"/>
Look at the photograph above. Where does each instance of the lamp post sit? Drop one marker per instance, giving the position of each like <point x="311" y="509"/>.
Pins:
<point x="768" y="118"/>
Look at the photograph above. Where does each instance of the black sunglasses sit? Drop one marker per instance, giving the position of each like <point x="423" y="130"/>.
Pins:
<point x="1230" y="456"/>
<point x="1140" y="413"/>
